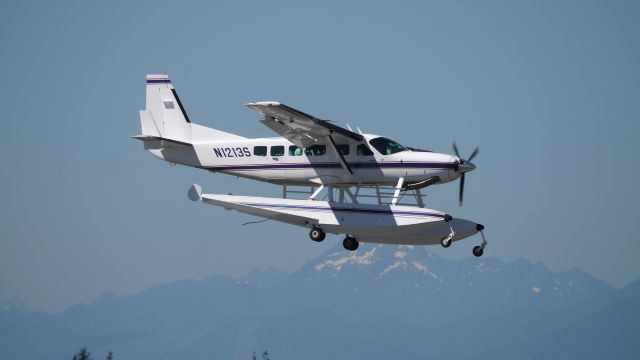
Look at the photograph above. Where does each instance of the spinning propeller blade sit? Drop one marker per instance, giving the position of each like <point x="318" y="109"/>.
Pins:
<point x="474" y="153"/>
<point x="455" y="149"/>
<point x="461" y="193"/>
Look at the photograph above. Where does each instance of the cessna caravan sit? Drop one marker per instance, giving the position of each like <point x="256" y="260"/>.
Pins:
<point x="320" y="155"/>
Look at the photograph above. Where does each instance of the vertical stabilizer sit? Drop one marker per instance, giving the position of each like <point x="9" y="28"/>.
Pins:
<point x="164" y="114"/>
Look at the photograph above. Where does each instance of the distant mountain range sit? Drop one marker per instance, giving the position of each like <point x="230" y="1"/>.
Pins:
<point x="381" y="302"/>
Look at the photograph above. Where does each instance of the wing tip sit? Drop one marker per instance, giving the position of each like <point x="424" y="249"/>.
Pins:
<point x="262" y="103"/>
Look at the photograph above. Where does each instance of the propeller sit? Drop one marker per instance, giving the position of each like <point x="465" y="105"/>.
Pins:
<point x="463" y="167"/>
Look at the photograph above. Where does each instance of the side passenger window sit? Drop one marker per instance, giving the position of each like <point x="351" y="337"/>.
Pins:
<point x="343" y="149"/>
<point x="315" y="150"/>
<point x="260" y="150"/>
<point x="363" y="150"/>
<point x="294" y="151"/>
<point x="277" y="150"/>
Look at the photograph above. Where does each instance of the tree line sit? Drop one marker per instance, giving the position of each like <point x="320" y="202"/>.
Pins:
<point x="84" y="354"/>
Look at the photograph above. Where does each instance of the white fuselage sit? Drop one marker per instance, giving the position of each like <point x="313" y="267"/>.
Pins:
<point x="279" y="161"/>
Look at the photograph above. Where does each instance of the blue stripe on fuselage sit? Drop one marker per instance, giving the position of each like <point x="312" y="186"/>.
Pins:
<point x="407" y="165"/>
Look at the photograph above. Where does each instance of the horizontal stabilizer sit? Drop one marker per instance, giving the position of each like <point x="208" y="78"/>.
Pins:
<point x="195" y="192"/>
<point x="164" y="142"/>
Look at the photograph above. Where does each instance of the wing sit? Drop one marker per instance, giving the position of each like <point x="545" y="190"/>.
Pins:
<point x="301" y="129"/>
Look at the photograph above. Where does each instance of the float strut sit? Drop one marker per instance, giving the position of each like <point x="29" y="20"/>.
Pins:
<point x="316" y="193"/>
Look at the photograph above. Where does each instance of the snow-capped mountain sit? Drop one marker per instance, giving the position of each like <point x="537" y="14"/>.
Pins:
<point x="379" y="302"/>
<point x="420" y="286"/>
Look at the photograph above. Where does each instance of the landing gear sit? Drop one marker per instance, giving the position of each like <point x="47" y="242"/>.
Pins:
<point x="317" y="234"/>
<point x="479" y="250"/>
<point x="448" y="240"/>
<point x="350" y="243"/>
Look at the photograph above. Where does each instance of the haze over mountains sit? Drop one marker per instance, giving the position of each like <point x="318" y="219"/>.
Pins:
<point x="380" y="302"/>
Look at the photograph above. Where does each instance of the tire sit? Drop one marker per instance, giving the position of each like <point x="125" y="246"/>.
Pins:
<point x="350" y="243"/>
<point x="317" y="234"/>
<point x="446" y="244"/>
<point x="478" y="251"/>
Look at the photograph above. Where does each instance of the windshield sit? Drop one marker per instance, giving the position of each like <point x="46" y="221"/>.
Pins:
<point x="386" y="146"/>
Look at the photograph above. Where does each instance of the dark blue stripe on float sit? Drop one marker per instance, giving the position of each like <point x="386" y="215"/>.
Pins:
<point x="368" y="211"/>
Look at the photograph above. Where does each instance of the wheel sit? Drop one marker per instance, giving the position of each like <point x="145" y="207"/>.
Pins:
<point x="446" y="244"/>
<point x="478" y="251"/>
<point x="350" y="243"/>
<point x="317" y="234"/>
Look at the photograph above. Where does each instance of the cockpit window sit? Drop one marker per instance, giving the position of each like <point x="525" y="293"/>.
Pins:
<point x="386" y="146"/>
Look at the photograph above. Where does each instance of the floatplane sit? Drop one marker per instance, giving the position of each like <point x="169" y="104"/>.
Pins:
<point x="353" y="183"/>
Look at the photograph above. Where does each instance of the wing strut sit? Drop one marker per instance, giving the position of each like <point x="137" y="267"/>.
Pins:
<point x="343" y="162"/>
<point x="396" y="193"/>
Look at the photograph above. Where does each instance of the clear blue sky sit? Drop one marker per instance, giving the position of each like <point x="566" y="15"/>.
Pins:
<point x="550" y="90"/>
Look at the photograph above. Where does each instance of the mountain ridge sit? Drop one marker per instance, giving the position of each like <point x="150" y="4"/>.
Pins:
<point x="352" y="301"/>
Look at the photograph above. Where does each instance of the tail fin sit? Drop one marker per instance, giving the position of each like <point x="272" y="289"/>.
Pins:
<point x="164" y="115"/>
